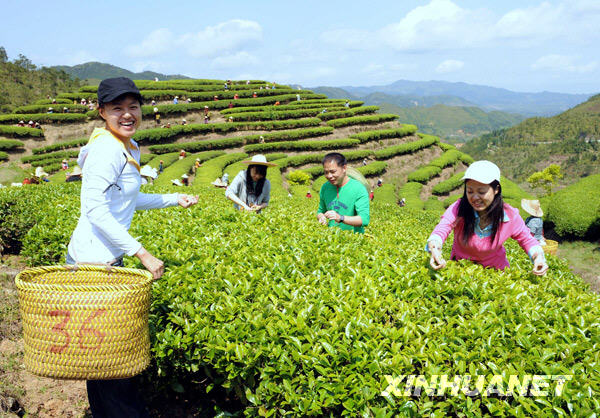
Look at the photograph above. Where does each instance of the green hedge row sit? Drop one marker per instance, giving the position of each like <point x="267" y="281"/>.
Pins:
<point x="446" y="147"/>
<point x="213" y="169"/>
<point x="273" y="115"/>
<point x="221" y="94"/>
<point x="167" y="160"/>
<point x="424" y="174"/>
<point x="43" y="117"/>
<point x="405" y="148"/>
<point x="302" y="145"/>
<point x="411" y="192"/>
<point x="448" y="158"/>
<point x="338" y="114"/>
<point x="189" y="87"/>
<point x="61" y="146"/>
<point x="368" y="136"/>
<point x="360" y="120"/>
<point x="53" y="155"/>
<point x="325" y="100"/>
<point x="271" y="108"/>
<point x="169" y="134"/>
<point x="449" y="185"/>
<point x="575" y="210"/>
<point x="74" y="108"/>
<point x="3" y="156"/>
<point x="9" y="144"/>
<point x="20" y="132"/>
<point x="243" y="140"/>
<point x="373" y="169"/>
<point x="49" y="101"/>
<point x="183" y="166"/>
<point x="146" y="158"/>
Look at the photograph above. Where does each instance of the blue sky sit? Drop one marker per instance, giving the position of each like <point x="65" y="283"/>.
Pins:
<point x="526" y="45"/>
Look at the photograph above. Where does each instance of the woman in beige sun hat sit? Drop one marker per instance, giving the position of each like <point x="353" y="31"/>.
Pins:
<point x="250" y="190"/>
<point x="534" y="222"/>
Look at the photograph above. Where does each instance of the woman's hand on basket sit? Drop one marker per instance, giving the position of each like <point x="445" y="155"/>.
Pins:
<point x="185" y="200"/>
<point x="152" y="264"/>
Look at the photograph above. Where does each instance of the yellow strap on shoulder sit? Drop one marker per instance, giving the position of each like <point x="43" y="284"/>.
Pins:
<point x="99" y="132"/>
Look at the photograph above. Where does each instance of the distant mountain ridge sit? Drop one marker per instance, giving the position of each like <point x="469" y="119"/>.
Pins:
<point x="99" y="71"/>
<point x="486" y="97"/>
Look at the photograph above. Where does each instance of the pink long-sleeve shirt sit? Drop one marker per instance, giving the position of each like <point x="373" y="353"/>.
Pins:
<point x="481" y="249"/>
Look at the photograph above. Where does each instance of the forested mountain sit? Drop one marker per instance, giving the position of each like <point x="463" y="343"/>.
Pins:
<point x="454" y="123"/>
<point x="99" y="71"/>
<point x="21" y="82"/>
<point x="571" y="139"/>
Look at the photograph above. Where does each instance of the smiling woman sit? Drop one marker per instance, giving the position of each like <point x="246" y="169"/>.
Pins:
<point x="110" y="194"/>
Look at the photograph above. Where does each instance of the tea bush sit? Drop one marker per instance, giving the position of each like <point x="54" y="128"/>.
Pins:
<point x="405" y="148"/>
<point x="411" y="192"/>
<point x="375" y="135"/>
<point x="3" y="156"/>
<point x="574" y="210"/>
<point x="60" y="146"/>
<point x="448" y="185"/>
<point x="302" y="145"/>
<point x="360" y="120"/>
<point x="10" y="144"/>
<point x="20" y="131"/>
<point x="299" y="177"/>
<point x="338" y="114"/>
<point x="43" y="118"/>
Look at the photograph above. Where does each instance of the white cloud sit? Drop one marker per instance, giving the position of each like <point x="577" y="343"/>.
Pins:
<point x="156" y="66"/>
<point x="562" y="63"/>
<point x="372" y="68"/>
<point x="449" y="66"/>
<point x="239" y="59"/>
<point x="223" y="38"/>
<point x="226" y="37"/>
<point x="157" y="42"/>
<point x="443" y="25"/>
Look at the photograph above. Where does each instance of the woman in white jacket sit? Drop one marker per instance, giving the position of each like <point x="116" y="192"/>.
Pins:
<point x="109" y="197"/>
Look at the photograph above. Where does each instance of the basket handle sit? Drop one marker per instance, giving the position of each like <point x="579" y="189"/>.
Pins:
<point x="77" y="266"/>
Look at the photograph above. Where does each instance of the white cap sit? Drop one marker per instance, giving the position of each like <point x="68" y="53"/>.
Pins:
<point x="482" y="171"/>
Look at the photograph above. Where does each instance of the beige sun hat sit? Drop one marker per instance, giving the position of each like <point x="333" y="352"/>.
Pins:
<point x="76" y="171"/>
<point x="177" y="182"/>
<point x="184" y="176"/>
<point x="259" y="159"/>
<point x="39" y="172"/>
<point x="532" y="207"/>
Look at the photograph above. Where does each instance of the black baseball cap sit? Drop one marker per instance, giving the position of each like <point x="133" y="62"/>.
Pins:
<point x="111" y="88"/>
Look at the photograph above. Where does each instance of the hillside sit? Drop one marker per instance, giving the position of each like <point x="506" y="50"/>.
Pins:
<point x="21" y="82"/>
<point x="272" y="314"/>
<point x="99" y="71"/>
<point x="486" y="97"/>
<point x="453" y="123"/>
<point x="570" y="139"/>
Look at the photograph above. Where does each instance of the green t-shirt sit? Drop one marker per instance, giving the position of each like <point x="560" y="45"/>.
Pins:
<point x="349" y="200"/>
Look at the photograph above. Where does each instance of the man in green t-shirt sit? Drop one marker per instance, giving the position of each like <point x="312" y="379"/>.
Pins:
<point x="343" y="201"/>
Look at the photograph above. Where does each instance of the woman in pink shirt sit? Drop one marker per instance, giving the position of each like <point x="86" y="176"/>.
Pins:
<point x="482" y="222"/>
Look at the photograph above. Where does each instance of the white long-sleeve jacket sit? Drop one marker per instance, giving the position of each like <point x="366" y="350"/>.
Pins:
<point x="109" y="197"/>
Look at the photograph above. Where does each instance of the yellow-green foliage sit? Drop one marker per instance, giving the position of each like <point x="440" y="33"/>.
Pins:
<point x="575" y="210"/>
<point x="298" y="177"/>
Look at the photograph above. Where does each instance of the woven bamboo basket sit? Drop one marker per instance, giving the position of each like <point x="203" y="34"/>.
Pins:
<point x="551" y="247"/>
<point x="85" y="321"/>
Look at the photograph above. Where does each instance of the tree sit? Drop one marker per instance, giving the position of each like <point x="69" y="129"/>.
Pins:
<point x="546" y="178"/>
<point x="3" y="54"/>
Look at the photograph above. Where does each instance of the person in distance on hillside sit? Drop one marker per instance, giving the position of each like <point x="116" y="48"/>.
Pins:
<point x="534" y="222"/>
<point x="343" y="201"/>
<point x="250" y="190"/>
<point x="109" y="197"/>
<point x="482" y="222"/>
